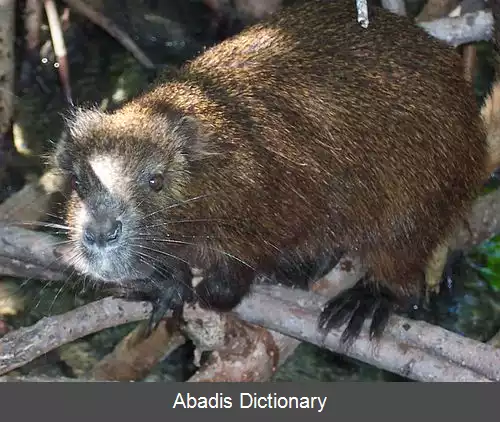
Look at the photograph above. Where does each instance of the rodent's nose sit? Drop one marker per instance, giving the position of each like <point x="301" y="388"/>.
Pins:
<point x="102" y="234"/>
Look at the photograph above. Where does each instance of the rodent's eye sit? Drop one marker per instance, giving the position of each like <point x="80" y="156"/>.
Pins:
<point x="156" y="182"/>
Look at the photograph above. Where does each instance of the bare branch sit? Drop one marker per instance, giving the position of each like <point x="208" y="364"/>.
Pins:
<point x="135" y="356"/>
<point x="404" y="348"/>
<point x="59" y="47"/>
<point x="395" y="6"/>
<point x="413" y="349"/>
<point x="362" y="9"/>
<point x="26" y="344"/>
<point x="33" y="201"/>
<point x="32" y="19"/>
<point x="32" y="254"/>
<point x="471" y="27"/>
<point x="482" y="224"/>
<point x="7" y="8"/>
<point x="436" y="9"/>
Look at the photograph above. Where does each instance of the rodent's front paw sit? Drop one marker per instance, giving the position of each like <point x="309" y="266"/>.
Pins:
<point x="170" y="295"/>
<point x="169" y="299"/>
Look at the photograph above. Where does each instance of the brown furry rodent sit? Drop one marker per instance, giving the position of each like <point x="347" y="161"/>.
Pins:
<point x="304" y="136"/>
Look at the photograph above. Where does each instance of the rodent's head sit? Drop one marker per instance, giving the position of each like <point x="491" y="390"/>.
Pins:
<point x="127" y="171"/>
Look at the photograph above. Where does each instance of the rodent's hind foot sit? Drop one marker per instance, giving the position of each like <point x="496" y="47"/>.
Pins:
<point x="353" y="306"/>
<point x="445" y="287"/>
<point x="439" y="271"/>
<point x="447" y="284"/>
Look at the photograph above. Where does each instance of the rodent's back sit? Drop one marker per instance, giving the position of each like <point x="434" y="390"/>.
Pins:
<point x="368" y="138"/>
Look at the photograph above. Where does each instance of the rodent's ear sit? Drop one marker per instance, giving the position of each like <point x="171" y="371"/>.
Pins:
<point x="191" y="139"/>
<point x="79" y="124"/>
<point x="80" y="121"/>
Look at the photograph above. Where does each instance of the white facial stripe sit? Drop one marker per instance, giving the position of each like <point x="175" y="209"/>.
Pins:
<point x="109" y="170"/>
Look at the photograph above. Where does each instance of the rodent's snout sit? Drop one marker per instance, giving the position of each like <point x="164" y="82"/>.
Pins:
<point x="102" y="234"/>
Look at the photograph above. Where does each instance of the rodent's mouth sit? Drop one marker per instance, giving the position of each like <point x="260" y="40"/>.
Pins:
<point x="106" y="279"/>
<point x="139" y="271"/>
<point x="132" y="273"/>
<point x="115" y="266"/>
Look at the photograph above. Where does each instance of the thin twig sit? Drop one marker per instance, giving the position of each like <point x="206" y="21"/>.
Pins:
<point x="7" y="10"/>
<point x="32" y="19"/>
<point x="59" y="47"/>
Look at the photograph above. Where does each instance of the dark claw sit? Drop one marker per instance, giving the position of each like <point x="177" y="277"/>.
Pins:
<point x="166" y="301"/>
<point x="169" y="298"/>
<point x="364" y="309"/>
<point x="337" y="312"/>
<point x="380" y="318"/>
<point x="354" y="306"/>
<point x="166" y="293"/>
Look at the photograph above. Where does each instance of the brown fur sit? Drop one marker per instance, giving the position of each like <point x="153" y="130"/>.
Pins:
<point x="308" y="133"/>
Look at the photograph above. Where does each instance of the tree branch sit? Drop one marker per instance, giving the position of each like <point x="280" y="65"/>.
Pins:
<point x="26" y="344"/>
<point x="395" y="6"/>
<point x="413" y="349"/>
<point x="7" y="11"/>
<point x="468" y="28"/>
